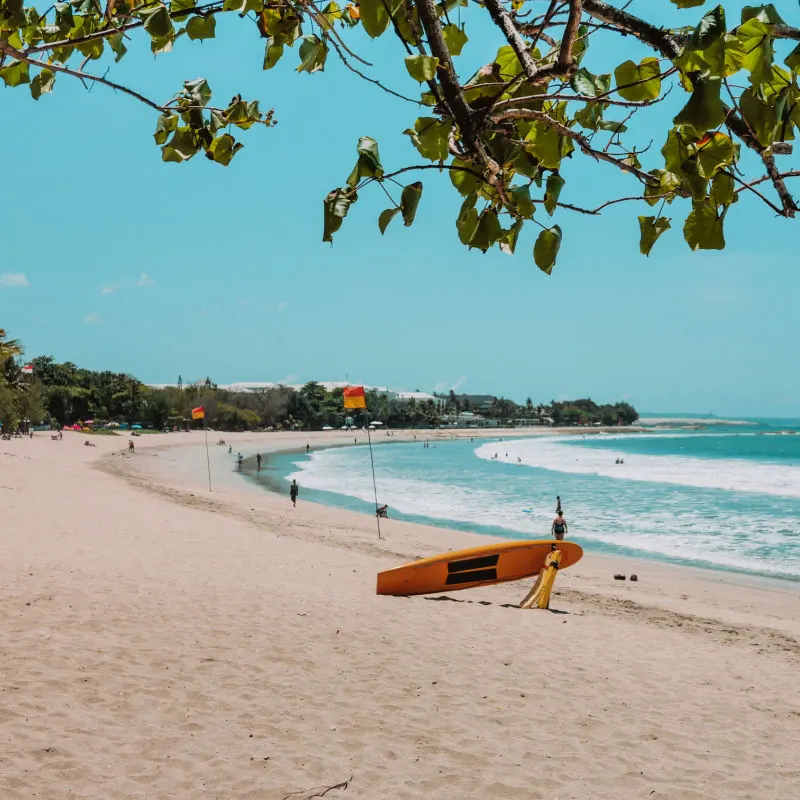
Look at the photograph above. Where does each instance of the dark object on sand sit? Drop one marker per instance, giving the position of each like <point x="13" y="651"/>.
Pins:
<point x="619" y="577"/>
<point x="634" y="577"/>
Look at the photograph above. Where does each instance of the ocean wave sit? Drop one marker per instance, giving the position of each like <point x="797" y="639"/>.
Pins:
<point x="703" y="530"/>
<point x="561" y="455"/>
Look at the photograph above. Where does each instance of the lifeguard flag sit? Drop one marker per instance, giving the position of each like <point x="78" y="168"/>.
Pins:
<point x="199" y="413"/>
<point x="354" y="397"/>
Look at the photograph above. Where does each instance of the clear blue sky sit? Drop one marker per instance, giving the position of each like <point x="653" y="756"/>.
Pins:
<point x="161" y="269"/>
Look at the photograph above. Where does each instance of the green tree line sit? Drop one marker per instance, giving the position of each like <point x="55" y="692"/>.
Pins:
<point x="63" y="394"/>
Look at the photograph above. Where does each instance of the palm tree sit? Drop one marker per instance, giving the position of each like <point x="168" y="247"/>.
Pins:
<point x="9" y="348"/>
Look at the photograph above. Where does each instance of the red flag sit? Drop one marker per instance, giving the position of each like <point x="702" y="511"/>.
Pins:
<point x="354" y="397"/>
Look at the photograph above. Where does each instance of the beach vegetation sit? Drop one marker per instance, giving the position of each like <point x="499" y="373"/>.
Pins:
<point x="64" y="393"/>
<point x="694" y="117"/>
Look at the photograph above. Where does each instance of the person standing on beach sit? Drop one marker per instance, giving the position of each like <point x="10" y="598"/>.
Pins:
<point x="308" y="449"/>
<point x="294" y="490"/>
<point x="559" y="528"/>
<point x="240" y="461"/>
<point x="258" y="461"/>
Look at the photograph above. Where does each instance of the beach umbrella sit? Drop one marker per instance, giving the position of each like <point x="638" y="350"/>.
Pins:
<point x="89" y="422"/>
<point x="76" y="427"/>
<point x="327" y="428"/>
<point x="137" y="427"/>
<point x="375" y="422"/>
<point x="66" y="428"/>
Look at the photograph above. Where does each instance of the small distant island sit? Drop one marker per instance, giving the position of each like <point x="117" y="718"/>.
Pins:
<point x="44" y="392"/>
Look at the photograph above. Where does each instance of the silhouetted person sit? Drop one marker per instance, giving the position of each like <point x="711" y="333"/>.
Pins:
<point x="294" y="490"/>
<point x="258" y="460"/>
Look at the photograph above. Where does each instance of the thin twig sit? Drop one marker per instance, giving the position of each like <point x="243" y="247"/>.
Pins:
<point x="371" y="80"/>
<point x="578" y="138"/>
<point x="320" y="791"/>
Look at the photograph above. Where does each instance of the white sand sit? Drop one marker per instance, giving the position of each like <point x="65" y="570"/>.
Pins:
<point x="158" y="642"/>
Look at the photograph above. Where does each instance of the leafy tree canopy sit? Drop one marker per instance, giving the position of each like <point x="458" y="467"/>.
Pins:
<point x="502" y="134"/>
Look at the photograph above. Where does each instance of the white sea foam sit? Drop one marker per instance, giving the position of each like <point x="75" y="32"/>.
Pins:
<point x="562" y="455"/>
<point x="664" y="524"/>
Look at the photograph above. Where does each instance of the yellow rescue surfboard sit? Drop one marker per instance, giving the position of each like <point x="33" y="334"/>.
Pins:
<point x="477" y="566"/>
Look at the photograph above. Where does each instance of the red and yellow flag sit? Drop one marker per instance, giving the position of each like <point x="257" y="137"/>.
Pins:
<point x="199" y="412"/>
<point x="354" y="397"/>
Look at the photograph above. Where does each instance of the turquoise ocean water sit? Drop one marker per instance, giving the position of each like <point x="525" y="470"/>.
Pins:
<point x="726" y="497"/>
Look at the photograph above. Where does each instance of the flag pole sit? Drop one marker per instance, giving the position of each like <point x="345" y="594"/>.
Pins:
<point x="208" y="459"/>
<point x="372" y="464"/>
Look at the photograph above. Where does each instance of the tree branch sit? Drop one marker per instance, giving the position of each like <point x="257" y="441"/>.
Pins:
<point x="453" y="96"/>
<point x="564" y="65"/>
<point x="787" y="201"/>
<point x="578" y="138"/>
<point x="792" y="173"/>
<point x="659" y="38"/>
<point x="20" y="56"/>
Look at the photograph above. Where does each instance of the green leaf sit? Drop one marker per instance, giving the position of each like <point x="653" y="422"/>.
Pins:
<point x="555" y="183"/>
<point x="650" y="228"/>
<point x="272" y="54"/>
<point x="409" y="200"/>
<point x="167" y="123"/>
<point x="766" y="13"/>
<point x="705" y="110"/>
<point x="182" y="146"/>
<point x="583" y="82"/>
<point x="313" y="52"/>
<point x="242" y="113"/>
<point x="198" y="90"/>
<point x="521" y="195"/>
<point x="761" y="117"/>
<point x="508" y="65"/>
<point x="201" y="28"/>
<point x="386" y="217"/>
<point x="545" y="251"/>
<point x="547" y="145"/>
<point x="467" y="220"/>
<point x="157" y="22"/>
<point x="715" y="151"/>
<point x="793" y="60"/>
<point x="336" y="205"/>
<point x="422" y="68"/>
<point x="703" y="228"/>
<point x="177" y="6"/>
<point x="224" y="148"/>
<point x="645" y="77"/>
<point x="465" y="182"/>
<point x="687" y="3"/>
<point x="487" y="231"/>
<point x="368" y="164"/>
<point x="756" y="42"/>
<point x="454" y="38"/>
<point x="668" y="184"/>
<point x="431" y="137"/>
<point x="722" y="190"/>
<point x="508" y="241"/>
<point x="581" y="44"/>
<point x="711" y="29"/>
<point x="42" y="83"/>
<point x="116" y="43"/>
<point x="15" y="74"/>
<point x="374" y="17"/>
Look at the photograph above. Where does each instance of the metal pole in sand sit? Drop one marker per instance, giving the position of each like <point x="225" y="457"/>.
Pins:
<point x="208" y="460"/>
<point x="374" y="484"/>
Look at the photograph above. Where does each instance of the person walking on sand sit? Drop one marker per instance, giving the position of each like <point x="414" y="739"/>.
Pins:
<point x="294" y="490"/>
<point x="239" y="461"/>
<point x="559" y="528"/>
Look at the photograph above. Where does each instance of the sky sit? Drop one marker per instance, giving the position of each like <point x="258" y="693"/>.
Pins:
<point x="114" y="260"/>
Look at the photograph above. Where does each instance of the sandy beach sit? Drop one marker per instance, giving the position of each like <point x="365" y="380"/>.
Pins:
<point x="161" y="641"/>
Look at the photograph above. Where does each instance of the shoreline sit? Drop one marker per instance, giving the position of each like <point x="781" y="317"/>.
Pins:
<point x="163" y="641"/>
<point x="233" y="483"/>
<point x="271" y="485"/>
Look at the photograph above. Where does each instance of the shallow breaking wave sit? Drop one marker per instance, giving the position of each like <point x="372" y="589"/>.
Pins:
<point x="563" y="455"/>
